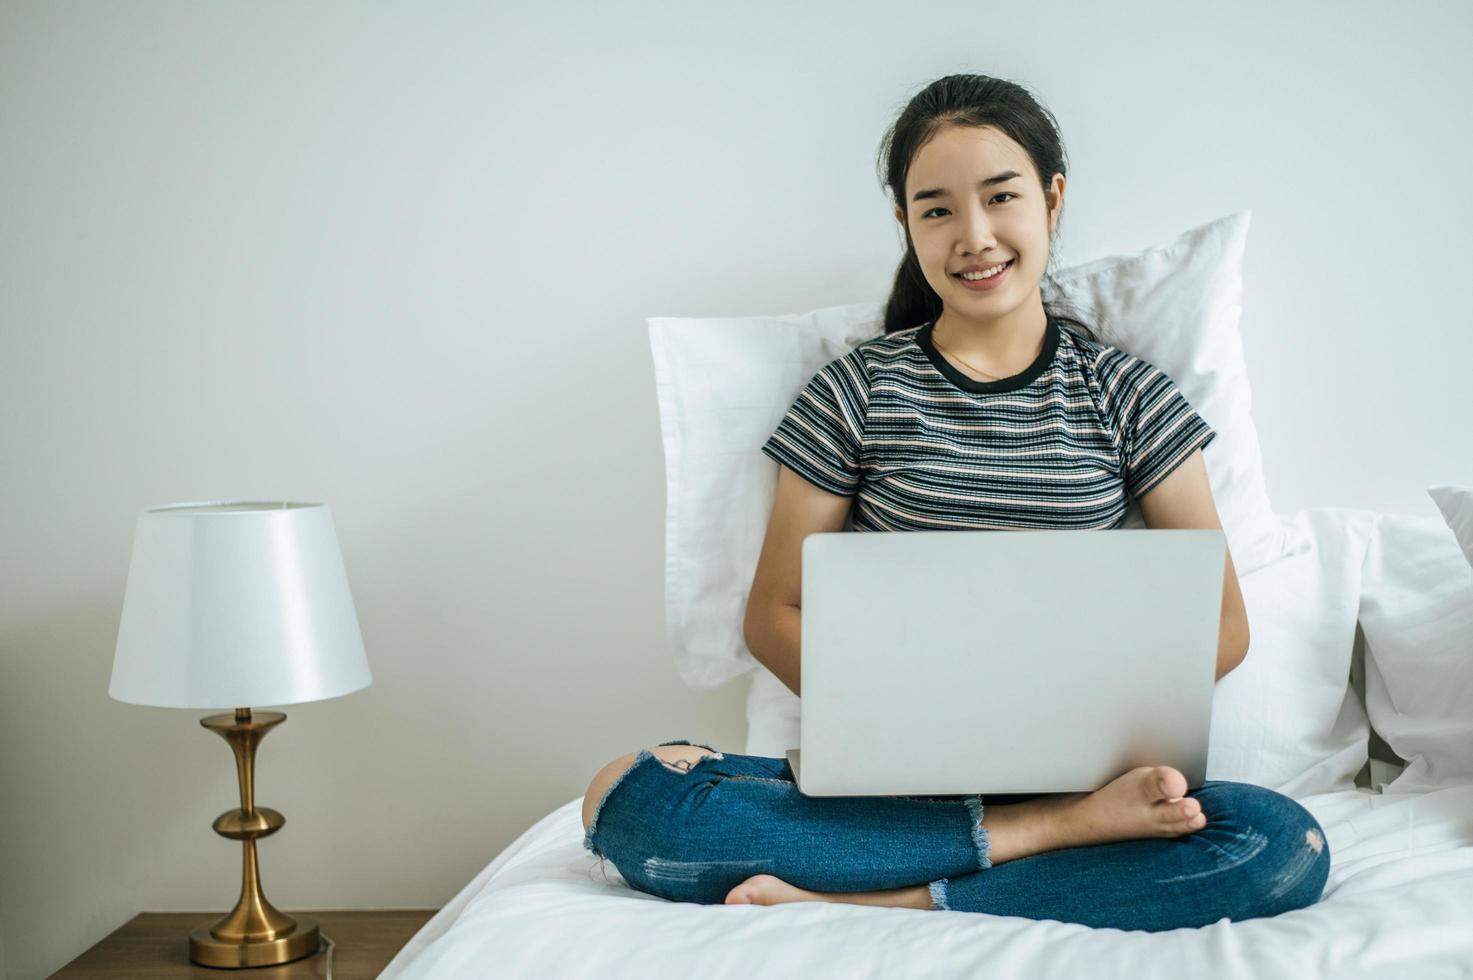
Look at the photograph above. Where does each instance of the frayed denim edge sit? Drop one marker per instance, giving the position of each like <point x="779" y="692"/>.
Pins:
<point x="638" y="758"/>
<point x="979" y="832"/>
<point x="980" y="840"/>
<point x="593" y="824"/>
<point x="700" y="745"/>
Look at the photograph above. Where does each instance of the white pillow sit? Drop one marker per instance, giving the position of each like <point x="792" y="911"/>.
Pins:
<point x="1286" y="717"/>
<point x="1416" y="611"/>
<point x="723" y="385"/>
<point x="1456" y="504"/>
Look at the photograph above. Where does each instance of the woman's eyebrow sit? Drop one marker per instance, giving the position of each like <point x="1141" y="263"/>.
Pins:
<point x="941" y="191"/>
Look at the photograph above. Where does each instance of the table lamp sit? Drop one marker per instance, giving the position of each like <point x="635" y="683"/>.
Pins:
<point x="233" y="603"/>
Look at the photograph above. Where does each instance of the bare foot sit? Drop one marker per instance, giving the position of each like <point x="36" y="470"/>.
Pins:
<point x="1150" y="801"/>
<point x="771" y="890"/>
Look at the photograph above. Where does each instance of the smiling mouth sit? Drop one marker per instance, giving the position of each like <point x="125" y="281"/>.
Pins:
<point x="1006" y="266"/>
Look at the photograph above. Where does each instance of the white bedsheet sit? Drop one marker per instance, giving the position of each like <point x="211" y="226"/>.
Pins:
<point x="1399" y="903"/>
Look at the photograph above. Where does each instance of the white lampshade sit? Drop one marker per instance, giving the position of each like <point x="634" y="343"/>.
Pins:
<point x="233" y="604"/>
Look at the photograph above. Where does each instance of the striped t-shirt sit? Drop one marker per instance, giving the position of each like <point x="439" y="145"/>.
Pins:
<point x="921" y="446"/>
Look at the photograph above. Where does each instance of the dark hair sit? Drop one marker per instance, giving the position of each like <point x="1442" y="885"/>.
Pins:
<point x="966" y="100"/>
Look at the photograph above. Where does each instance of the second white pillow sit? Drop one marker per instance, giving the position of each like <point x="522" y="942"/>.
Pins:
<point x="1416" y="610"/>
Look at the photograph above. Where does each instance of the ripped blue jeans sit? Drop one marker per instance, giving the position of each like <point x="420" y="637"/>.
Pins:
<point x="691" y="835"/>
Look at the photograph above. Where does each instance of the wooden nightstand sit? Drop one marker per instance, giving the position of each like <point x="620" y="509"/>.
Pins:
<point x="155" y="946"/>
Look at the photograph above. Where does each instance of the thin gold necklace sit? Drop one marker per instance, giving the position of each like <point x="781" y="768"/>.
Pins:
<point x="953" y="354"/>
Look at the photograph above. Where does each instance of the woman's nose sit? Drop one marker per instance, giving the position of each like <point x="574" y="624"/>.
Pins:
<point x="977" y="234"/>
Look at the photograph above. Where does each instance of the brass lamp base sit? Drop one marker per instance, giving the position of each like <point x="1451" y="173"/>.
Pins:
<point x="254" y="933"/>
<point x="207" y="950"/>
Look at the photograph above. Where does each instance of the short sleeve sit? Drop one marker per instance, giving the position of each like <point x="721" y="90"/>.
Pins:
<point x="821" y="435"/>
<point x="1158" y="429"/>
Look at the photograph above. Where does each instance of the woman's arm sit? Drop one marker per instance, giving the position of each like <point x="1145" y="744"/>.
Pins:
<point x="774" y="633"/>
<point x="772" y="623"/>
<point x="1184" y="500"/>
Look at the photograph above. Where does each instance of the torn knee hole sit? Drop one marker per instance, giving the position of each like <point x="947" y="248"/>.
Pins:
<point x="682" y="764"/>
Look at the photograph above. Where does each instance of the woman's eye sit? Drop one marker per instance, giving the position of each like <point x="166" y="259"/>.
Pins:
<point x="1008" y="194"/>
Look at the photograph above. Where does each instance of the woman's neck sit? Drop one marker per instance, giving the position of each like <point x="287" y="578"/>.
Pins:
<point x="1001" y="347"/>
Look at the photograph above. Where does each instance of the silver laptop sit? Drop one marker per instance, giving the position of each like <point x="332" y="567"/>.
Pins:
<point x="945" y="662"/>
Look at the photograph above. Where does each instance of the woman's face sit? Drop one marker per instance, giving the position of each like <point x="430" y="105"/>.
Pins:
<point x="960" y="221"/>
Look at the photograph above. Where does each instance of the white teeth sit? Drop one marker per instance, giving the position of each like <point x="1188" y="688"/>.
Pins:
<point x="985" y="273"/>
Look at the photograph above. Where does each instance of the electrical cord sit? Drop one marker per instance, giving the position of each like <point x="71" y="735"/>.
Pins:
<point x="327" y="944"/>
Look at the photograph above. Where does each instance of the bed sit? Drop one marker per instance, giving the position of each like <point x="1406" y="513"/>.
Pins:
<point x="1356" y="698"/>
<point x="1398" y="903"/>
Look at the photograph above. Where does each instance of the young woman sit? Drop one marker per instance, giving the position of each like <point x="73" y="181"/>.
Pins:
<point x="979" y="408"/>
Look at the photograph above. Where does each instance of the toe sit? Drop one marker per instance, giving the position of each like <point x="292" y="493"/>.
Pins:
<point x="1187" y="825"/>
<point x="746" y="893"/>
<point x="1171" y="783"/>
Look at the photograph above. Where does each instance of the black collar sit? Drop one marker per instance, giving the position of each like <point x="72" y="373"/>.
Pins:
<point x="1013" y="383"/>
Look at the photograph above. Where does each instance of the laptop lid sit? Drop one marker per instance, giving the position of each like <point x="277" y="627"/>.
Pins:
<point x="943" y="662"/>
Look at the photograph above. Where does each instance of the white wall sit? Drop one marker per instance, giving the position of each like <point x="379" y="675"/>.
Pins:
<point x="398" y="258"/>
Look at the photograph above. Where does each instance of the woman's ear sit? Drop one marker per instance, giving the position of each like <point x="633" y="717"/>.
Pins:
<point x="1056" y="204"/>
